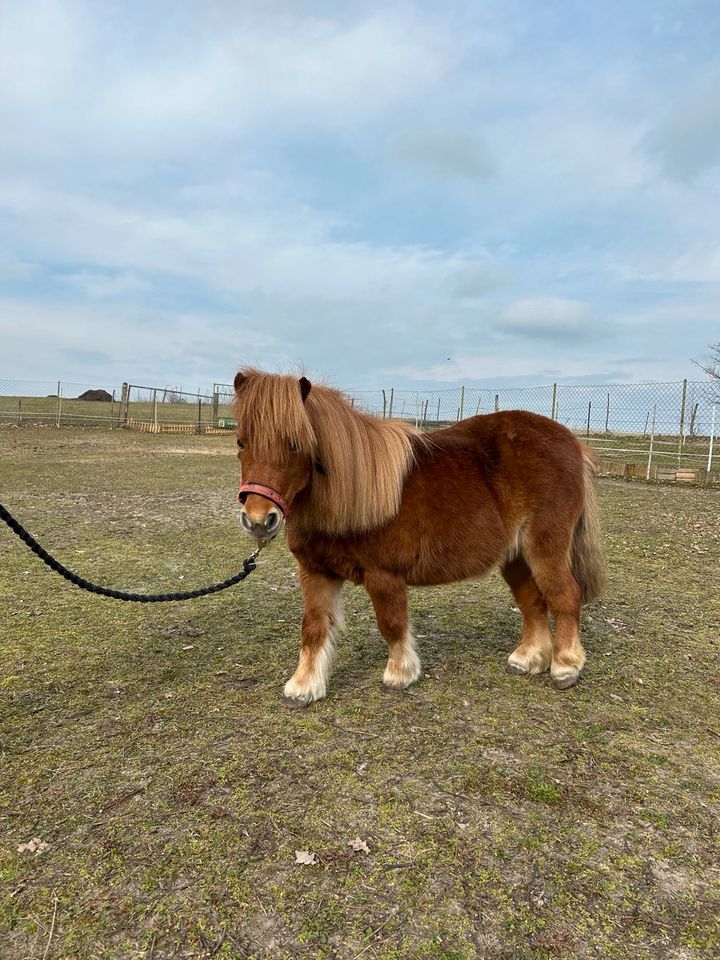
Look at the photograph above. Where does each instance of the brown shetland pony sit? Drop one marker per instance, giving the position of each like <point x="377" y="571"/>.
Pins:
<point x="383" y="505"/>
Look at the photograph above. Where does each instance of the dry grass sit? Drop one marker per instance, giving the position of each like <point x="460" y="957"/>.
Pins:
<point x="149" y="749"/>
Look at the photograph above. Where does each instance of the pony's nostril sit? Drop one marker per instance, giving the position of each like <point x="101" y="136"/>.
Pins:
<point x="245" y="520"/>
<point x="272" y="521"/>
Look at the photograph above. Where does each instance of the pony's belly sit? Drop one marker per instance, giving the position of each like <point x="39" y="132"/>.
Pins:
<point x="449" y="570"/>
<point x="424" y="555"/>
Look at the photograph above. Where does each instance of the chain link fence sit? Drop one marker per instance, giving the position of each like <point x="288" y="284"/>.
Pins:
<point x="655" y="428"/>
<point x="59" y="403"/>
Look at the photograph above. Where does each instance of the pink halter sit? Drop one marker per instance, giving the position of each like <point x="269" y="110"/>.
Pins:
<point x="260" y="490"/>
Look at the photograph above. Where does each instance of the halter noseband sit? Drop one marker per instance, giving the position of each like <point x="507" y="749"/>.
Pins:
<point x="260" y="490"/>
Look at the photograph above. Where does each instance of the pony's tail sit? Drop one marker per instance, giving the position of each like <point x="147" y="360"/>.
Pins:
<point x="588" y="563"/>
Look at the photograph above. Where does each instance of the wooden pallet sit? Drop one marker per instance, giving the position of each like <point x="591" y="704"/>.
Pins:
<point x="145" y="427"/>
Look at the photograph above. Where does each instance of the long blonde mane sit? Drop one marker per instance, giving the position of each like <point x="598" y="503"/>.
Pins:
<point x="365" y="459"/>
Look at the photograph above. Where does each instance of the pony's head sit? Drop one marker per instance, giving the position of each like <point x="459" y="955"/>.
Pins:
<point x="276" y="448"/>
<point x="306" y="452"/>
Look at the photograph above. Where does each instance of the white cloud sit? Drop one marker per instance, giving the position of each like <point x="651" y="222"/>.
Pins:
<point x="40" y="47"/>
<point x="701" y="265"/>
<point x="549" y="318"/>
<point x="72" y="81"/>
<point x="445" y="153"/>
<point x="274" y="252"/>
<point x="104" y="286"/>
<point x="475" y="279"/>
<point x="685" y="142"/>
<point x="381" y="187"/>
<point x="138" y="343"/>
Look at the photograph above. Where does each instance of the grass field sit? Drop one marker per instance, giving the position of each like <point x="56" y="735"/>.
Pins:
<point x="148" y="748"/>
<point x="22" y="411"/>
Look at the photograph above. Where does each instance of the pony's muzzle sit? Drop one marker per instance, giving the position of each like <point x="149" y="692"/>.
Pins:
<point x="264" y="528"/>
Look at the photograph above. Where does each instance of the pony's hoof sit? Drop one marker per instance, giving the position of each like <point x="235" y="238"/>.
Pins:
<point x="390" y="688"/>
<point x="516" y="671"/>
<point x="566" y="679"/>
<point x="293" y="703"/>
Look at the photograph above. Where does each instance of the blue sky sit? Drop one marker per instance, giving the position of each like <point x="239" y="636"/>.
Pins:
<point x="400" y="194"/>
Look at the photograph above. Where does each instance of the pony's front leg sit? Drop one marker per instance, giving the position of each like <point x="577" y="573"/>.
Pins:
<point x="389" y="598"/>
<point x="321" y="617"/>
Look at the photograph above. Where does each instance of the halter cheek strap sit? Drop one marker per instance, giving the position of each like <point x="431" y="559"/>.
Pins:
<point x="260" y="490"/>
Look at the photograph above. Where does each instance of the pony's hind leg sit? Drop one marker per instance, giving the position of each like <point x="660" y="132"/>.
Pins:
<point x="534" y="653"/>
<point x="563" y="596"/>
<point x="389" y="599"/>
<point x="322" y="615"/>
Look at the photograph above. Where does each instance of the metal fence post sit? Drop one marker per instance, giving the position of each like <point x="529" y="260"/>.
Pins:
<point x="59" y="404"/>
<point x="392" y="394"/>
<point x="497" y="402"/>
<point x="682" y="411"/>
<point x="712" y="439"/>
<point x="154" y="409"/>
<point x="462" y="402"/>
<point x="553" y="409"/>
<point x="587" y="432"/>
<point x="652" y="440"/>
<point x="607" y="414"/>
<point x="199" y="420"/>
<point x="384" y="405"/>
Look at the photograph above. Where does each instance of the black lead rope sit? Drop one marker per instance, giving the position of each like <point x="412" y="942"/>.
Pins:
<point x="248" y="567"/>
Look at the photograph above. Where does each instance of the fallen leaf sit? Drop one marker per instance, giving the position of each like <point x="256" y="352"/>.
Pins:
<point x="305" y="857"/>
<point x="36" y="845"/>
<point x="359" y="845"/>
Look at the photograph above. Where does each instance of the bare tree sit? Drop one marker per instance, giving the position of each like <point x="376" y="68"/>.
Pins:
<point x="711" y="366"/>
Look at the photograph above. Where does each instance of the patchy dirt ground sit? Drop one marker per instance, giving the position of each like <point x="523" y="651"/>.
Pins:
<point x="148" y="749"/>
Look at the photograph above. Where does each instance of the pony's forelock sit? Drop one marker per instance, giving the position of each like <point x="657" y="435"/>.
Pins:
<point x="271" y="414"/>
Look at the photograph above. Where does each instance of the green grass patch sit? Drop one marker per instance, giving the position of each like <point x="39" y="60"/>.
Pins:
<point x="149" y="749"/>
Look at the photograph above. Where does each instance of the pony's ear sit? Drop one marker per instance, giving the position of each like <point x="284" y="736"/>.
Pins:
<point x="305" y="387"/>
<point x="240" y="379"/>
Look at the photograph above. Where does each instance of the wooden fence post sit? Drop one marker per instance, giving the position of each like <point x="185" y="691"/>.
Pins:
<point x="124" y="404"/>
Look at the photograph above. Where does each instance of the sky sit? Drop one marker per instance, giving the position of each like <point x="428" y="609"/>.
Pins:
<point x="412" y="194"/>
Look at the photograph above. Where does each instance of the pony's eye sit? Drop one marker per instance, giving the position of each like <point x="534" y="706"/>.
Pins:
<point x="241" y="444"/>
<point x="294" y="448"/>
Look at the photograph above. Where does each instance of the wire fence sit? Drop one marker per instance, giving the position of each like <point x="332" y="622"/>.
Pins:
<point x="652" y="429"/>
